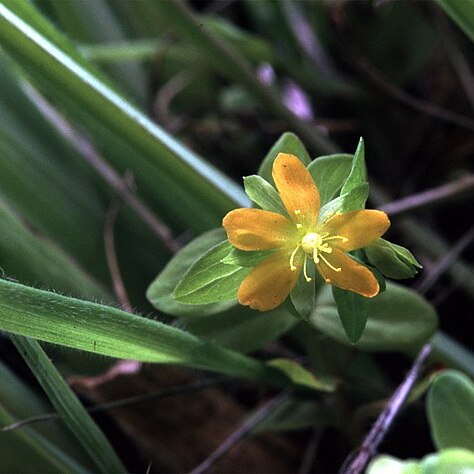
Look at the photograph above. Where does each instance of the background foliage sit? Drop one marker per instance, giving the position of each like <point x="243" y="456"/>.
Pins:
<point x="136" y="121"/>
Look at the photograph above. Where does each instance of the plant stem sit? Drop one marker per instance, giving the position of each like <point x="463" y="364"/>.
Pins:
<point x="243" y="430"/>
<point x="386" y="418"/>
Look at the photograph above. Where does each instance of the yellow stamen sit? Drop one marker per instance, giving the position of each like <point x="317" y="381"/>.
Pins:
<point x="335" y="237"/>
<point x="297" y="211"/>
<point x="307" y="278"/>
<point x="325" y="248"/>
<point x="299" y="226"/>
<point x="292" y="258"/>
<point x="324" y="259"/>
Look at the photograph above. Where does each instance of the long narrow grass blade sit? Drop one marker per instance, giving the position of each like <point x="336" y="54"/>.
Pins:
<point x="104" y="330"/>
<point x="157" y="157"/>
<point x="67" y="404"/>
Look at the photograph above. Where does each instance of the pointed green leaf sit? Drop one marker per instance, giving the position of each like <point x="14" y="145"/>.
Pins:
<point x="243" y="258"/>
<point x="394" y="261"/>
<point x="301" y="376"/>
<point x="353" y="310"/>
<point x="399" y="320"/>
<point x="262" y="193"/>
<point x="350" y="201"/>
<point x="450" y="406"/>
<point x="209" y="280"/>
<point x="357" y="177"/>
<point x="160" y="292"/>
<point x="287" y="143"/>
<point x="330" y="173"/>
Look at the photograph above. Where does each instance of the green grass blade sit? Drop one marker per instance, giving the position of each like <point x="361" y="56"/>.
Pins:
<point x="32" y="260"/>
<point x="461" y="12"/>
<point x="68" y="406"/>
<point x="160" y="158"/>
<point x="22" y="402"/>
<point x="25" y="450"/>
<point x="104" y="330"/>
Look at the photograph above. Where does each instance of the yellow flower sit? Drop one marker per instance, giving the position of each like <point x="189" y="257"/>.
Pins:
<point x="300" y="238"/>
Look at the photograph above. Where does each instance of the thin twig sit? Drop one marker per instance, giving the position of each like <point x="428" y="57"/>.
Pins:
<point x="243" y="430"/>
<point x="446" y="261"/>
<point x="311" y="450"/>
<point x="455" y="56"/>
<point x="111" y="256"/>
<point x="419" y="105"/>
<point x="107" y="172"/>
<point x="154" y="396"/>
<point x="430" y="242"/>
<point x="386" y="418"/>
<point x="431" y="197"/>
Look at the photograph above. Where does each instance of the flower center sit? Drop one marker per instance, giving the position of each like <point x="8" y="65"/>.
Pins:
<point x="311" y="241"/>
<point x="315" y="245"/>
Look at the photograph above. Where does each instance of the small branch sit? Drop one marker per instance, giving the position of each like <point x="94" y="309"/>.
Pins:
<point x="111" y="256"/>
<point x="419" y="105"/>
<point x="149" y="397"/>
<point x="446" y="261"/>
<point x="311" y="450"/>
<point x="455" y="56"/>
<point x="244" y="429"/>
<point x="386" y="418"/>
<point x="431" y="197"/>
<point x="107" y="172"/>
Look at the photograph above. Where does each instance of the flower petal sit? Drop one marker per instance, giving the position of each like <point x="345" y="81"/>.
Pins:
<point x="297" y="189"/>
<point x="359" y="227"/>
<point x="270" y="282"/>
<point x="353" y="276"/>
<point x="256" y="229"/>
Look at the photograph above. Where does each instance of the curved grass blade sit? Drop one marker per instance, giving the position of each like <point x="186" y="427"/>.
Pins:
<point x="104" y="330"/>
<point x="69" y="407"/>
<point x="155" y="155"/>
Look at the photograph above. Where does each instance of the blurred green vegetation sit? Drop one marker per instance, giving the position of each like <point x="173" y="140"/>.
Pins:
<point x="157" y="109"/>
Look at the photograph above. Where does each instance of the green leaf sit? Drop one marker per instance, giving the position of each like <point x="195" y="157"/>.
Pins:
<point x="242" y="329"/>
<point x="262" y="193"/>
<point x="399" y="319"/>
<point x="301" y="376"/>
<point x="32" y="451"/>
<point x="160" y="292"/>
<point x="303" y="295"/>
<point x="68" y="406"/>
<point x="108" y="331"/>
<point x="350" y="201"/>
<point x="243" y="258"/>
<point x="450" y="405"/>
<point x="353" y="310"/>
<point x="330" y="173"/>
<point x="357" y="177"/>
<point x="127" y="138"/>
<point x="287" y="143"/>
<point x="36" y="260"/>
<point x="18" y="401"/>
<point x="209" y="280"/>
<point x="461" y="12"/>
<point x="297" y="415"/>
<point x="448" y="461"/>
<point x="394" y="261"/>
